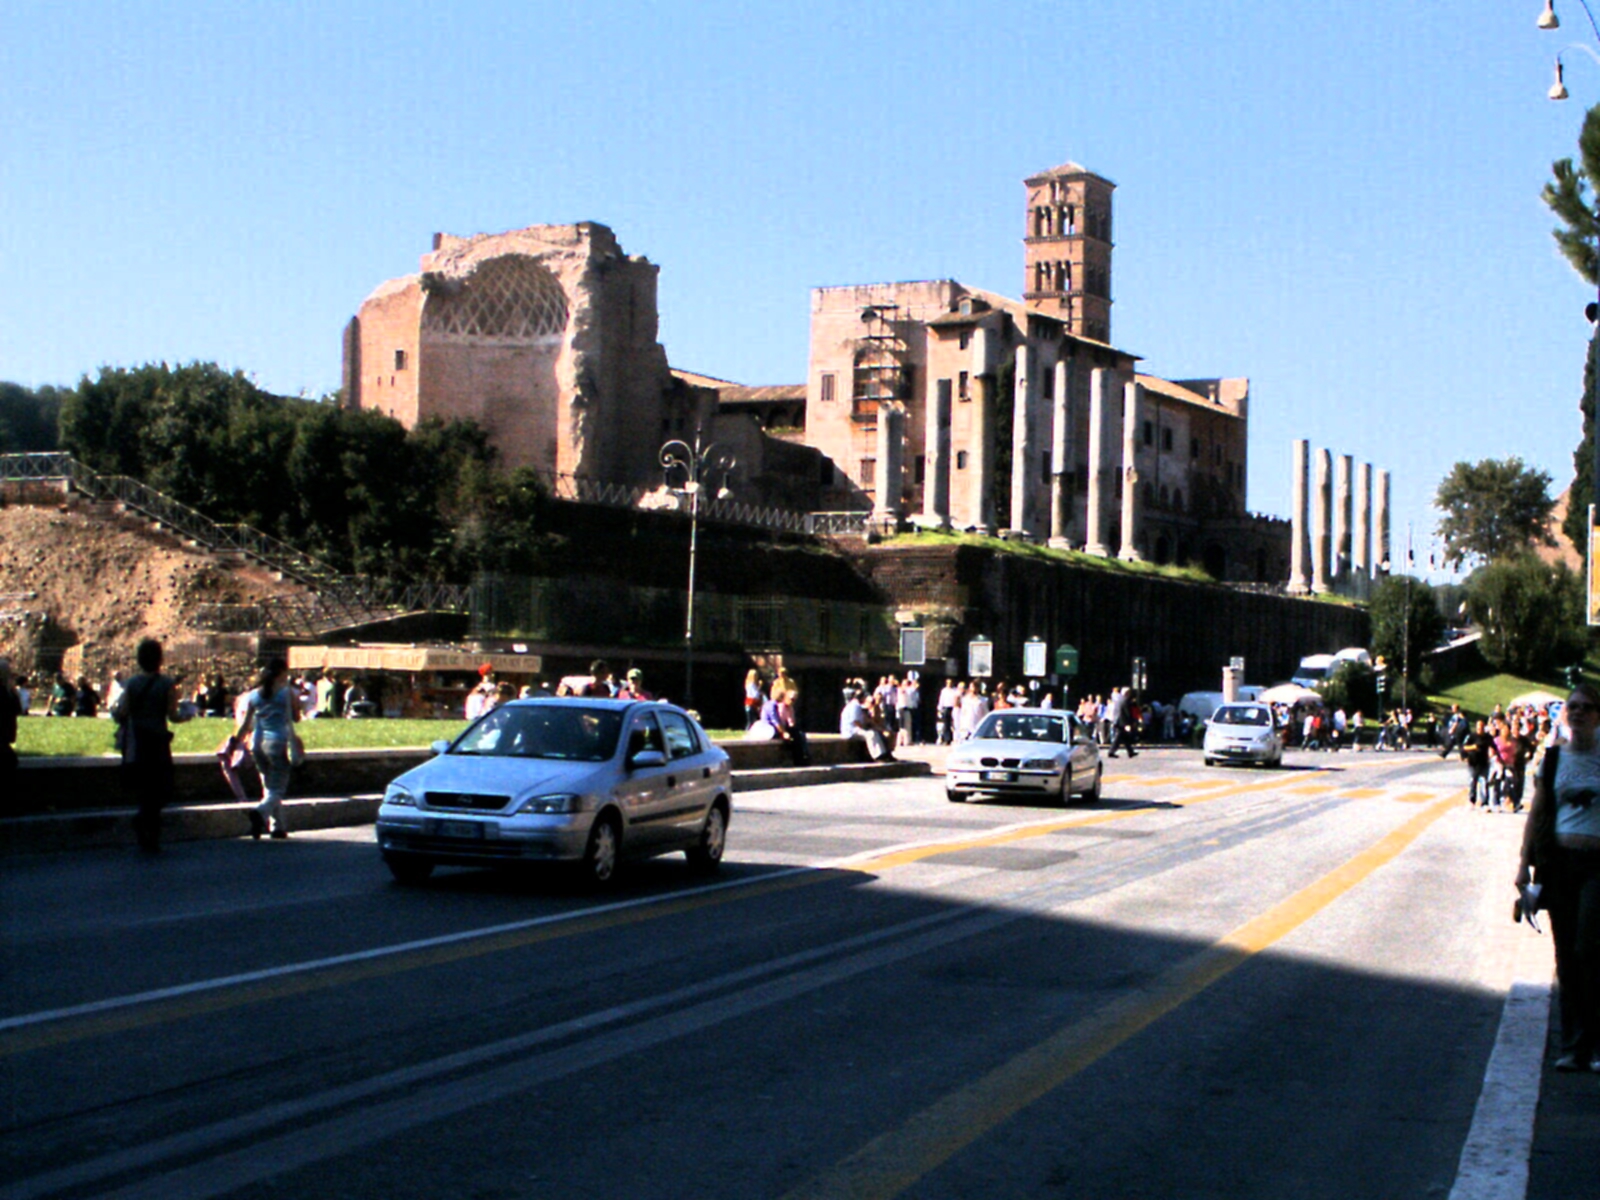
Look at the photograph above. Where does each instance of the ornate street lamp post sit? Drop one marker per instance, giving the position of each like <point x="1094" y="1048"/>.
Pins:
<point x="695" y="468"/>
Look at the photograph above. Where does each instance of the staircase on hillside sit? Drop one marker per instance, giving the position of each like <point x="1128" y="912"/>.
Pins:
<point x="337" y="601"/>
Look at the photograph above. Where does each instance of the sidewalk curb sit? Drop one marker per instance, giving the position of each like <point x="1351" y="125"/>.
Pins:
<point x="101" y="828"/>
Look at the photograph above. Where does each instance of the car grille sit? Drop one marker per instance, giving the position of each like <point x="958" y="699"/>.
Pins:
<point x="465" y="801"/>
<point x="460" y="847"/>
<point x="1010" y="764"/>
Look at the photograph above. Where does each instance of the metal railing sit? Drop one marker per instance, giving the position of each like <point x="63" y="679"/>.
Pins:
<point x="338" y="599"/>
<point x="584" y="489"/>
<point x="838" y="524"/>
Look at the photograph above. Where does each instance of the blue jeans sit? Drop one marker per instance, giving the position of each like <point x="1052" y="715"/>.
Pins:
<point x="272" y="761"/>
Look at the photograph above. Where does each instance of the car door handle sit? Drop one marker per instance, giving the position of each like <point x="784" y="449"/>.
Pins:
<point x="672" y="781"/>
<point x="705" y="773"/>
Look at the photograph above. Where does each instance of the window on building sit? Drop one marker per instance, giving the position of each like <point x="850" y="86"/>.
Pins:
<point x="961" y="460"/>
<point x="961" y="387"/>
<point x="869" y="472"/>
<point x="964" y="340"/>
<point x="1044" y="464"/>
<point x="919" y="468"/>
<point x="1166" y="438"/>
<point x="826" y="388"/>
<point x="1149" y="433"/>
<point x="399" y="360"/>
<point x="1194" y="448"/>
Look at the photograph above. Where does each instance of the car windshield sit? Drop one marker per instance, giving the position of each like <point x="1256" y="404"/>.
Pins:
<point x="1239" y="715"/>
<point x="544" y="731"/>
<point x="1020" y="727"/>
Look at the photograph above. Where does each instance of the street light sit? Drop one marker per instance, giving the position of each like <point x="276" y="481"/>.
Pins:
<point x="698" y="466"/>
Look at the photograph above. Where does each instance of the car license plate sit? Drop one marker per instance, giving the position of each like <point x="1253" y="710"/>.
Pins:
<point x="997" y="776"/>
<point x="459" y="829"/>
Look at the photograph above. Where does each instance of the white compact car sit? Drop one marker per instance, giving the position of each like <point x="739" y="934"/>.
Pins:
<point x="1243" y="733"/>
<point x="568" y="780"/>
<point x="1025" y="752"/>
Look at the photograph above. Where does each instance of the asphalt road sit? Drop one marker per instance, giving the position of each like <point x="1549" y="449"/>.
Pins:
<point x="1222" y="983"/>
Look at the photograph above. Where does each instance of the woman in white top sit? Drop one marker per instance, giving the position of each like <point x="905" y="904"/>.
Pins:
<point x="1562" y="843"/>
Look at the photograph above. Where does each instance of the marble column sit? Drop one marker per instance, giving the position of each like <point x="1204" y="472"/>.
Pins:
<point x="1061" y="450"/>
<point x="891" y="463"/>
<point x="1380" y="526"/>
<point x="1022" y="442"/>
<point x="1361" y="551"/>
<point x="982" y="452"/>
<point x="936" y="460"/>
<point x="1132" y="415"/>
<point x="1321" y="524"/>
<point x="1341" y="524"/>
<point x="1299" y="577"/>
<point x="1100" y="384"/>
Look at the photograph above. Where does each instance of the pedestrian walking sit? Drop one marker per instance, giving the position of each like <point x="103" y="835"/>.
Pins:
<point x="1475" y="750"/>
<point x="146" y="707"/>
<point x="270" y="713"/>
<point x="1561" y="853"/>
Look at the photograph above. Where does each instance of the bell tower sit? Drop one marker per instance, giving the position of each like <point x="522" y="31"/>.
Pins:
<point x="1067" y="249"/>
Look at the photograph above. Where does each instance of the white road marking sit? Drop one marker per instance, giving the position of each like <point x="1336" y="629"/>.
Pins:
<point x="1494" y="1161"/>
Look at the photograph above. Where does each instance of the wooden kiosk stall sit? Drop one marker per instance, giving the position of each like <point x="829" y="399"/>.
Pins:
<point x="415" y="681"/>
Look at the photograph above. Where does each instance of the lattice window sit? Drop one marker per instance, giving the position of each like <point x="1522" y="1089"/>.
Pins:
<point x="507" y="299"/>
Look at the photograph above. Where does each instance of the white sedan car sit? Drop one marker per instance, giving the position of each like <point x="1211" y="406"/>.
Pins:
<point x="1243" y="733"/>
<point x="1025" y="752"/>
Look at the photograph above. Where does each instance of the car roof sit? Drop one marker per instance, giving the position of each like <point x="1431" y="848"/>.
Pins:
<point x="612" y="703"/>
<point x="1013" y="710"/>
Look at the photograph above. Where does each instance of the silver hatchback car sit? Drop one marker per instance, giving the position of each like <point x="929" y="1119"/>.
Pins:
<point x="562" y="780"/>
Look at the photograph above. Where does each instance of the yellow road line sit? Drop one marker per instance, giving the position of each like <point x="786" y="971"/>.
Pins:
<point x="1363" y="793"/>
<point x="894" y="1161"/>
<point x="76" y="1028"/>
<point x="1312" y="789"/>
<point x="1415" y="797"/>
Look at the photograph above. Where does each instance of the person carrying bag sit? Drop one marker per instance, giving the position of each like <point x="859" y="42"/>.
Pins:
<point x="1561" y="853"/>
<point x="270" y="712"/>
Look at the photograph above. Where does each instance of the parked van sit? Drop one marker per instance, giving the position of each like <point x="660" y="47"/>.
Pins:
<point x="1313" y="670"/>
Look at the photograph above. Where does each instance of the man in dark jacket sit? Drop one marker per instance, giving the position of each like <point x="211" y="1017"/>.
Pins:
<point x="1475" y="750"/>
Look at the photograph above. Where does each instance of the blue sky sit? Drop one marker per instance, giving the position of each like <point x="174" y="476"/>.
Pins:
<point x="1340" y="201"/>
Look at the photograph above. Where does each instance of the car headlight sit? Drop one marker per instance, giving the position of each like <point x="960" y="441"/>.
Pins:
<point x="397" y="795"/>
<point x="562" y="802"/>
<point x="1040" y="764"/>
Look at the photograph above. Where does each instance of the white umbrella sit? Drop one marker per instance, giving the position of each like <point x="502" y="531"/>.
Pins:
<point x="1288" y="693"/>
<point x="1535" y="700"/>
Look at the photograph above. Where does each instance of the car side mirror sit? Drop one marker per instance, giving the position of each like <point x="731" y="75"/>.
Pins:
<point x="647" y="758"/>
<point x="440" y="747"/>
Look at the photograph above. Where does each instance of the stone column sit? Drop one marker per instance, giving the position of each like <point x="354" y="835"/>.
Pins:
<point x="1022" y="441"/>
<point x="891" y="463"/>
<point x="983" y="387"/>
<point x="1061" y="449"/>
<point x="1299" y="577"/>
<point x="1321" y="523"/>
<point x="1361" y="551"/>
<point x="1380" y="528"/>
<point x="936" y="466"/>
<point x="1132" y="414"/>
<point x="1099" y="436"/>
<point x="1341" y="524"/>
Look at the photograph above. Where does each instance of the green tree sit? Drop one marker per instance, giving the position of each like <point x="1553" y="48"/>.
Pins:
<point x="1571" y="195"/>
<point x="1532" y="614"/>
<point x="29" y="418"/>
<point x="1406" y="624"/>
<point x="1492" y="509"/>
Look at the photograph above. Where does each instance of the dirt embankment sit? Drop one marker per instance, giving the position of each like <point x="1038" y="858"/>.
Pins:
<point x="80" y="584"/>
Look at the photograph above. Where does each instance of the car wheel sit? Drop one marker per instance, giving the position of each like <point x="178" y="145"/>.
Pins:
<point x="1093" y="794"/>
<point x="1210" y="762"/>
<point x="600" y="856"/>
<point x="955" y="797"/>
<point x="409" y="871"/>
<point x="707" y="856"/>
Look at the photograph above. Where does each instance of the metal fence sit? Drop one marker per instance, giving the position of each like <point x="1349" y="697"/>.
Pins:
<point x="339" y="600"/>
<point x="585" y="490"/>
<point x="588" y="610"/>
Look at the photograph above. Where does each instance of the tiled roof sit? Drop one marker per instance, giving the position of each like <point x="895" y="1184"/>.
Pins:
<point x="1165" y="387"/>
<point x="777" y="391"/>
<point x="694" y="379"/>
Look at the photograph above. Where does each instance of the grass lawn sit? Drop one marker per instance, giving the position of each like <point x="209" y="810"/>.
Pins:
<point x="50" y="736"/>
<point x="1479" y="695"/>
